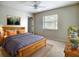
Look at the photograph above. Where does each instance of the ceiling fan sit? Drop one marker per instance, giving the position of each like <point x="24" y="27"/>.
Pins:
<point x="36" y="4"/>
<point x="33" y="4"/>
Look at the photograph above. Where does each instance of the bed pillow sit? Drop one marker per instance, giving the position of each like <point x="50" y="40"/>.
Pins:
<point x="11" y="32"/>
<point x="20" y="31"/>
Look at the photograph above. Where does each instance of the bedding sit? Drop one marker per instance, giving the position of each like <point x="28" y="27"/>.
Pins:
<point x="13" y="43"/>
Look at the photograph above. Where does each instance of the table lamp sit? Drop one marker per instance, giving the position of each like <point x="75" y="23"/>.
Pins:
<point x="1" y="30"/>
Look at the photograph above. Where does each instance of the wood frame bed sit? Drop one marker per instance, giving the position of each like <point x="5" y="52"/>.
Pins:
<point x="27" y="51"/>
<point x="30" y="49"/>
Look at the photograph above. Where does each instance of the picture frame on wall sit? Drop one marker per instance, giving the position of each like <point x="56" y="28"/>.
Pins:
<point x="13" y="20"/>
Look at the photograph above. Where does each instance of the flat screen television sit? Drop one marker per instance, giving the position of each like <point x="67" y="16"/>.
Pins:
<point x="13" y="20"/>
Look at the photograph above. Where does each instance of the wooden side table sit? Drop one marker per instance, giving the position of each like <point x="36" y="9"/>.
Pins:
<point x="69" y="52"/>
<point x="1" y="39"/>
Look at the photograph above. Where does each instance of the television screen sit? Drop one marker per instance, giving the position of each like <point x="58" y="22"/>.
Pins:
<point x="13" y="20"/>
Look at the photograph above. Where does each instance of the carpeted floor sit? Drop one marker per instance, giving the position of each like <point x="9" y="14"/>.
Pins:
<point x="43" y="51"/>
<point x="3" y="53"/>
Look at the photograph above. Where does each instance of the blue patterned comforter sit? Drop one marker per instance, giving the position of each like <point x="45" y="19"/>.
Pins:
<point x="13" y="43"/>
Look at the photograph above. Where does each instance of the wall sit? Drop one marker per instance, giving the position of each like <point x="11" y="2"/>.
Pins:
<point x="67" y="15"/>
<point x="7" y="11"/>
<point x="78" y="14"/>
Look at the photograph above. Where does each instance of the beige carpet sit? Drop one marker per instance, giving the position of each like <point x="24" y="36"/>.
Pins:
<point x="3" y="53"/>
<point x="40" y="53"/>
<point x="43" y="51"/>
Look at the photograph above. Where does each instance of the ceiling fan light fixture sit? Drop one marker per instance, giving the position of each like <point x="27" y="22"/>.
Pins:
<point x="36" y="4"/>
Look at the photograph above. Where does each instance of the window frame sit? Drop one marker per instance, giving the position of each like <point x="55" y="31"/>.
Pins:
<point x="56" y="28"/>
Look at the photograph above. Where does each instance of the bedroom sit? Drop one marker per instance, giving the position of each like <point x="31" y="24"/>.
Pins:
<point x="33" y="23"/>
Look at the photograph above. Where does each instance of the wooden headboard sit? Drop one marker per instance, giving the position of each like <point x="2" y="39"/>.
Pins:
<point x="13" y="28"/>
<point x="9" y="30"/>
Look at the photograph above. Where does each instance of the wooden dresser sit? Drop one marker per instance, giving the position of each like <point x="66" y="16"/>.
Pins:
<point x="69" y="52"/>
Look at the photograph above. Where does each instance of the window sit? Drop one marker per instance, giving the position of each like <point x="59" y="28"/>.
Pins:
<point x="50" y="22"/>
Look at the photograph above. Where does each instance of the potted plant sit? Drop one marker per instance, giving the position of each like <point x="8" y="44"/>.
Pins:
<point x="72" y="32"/>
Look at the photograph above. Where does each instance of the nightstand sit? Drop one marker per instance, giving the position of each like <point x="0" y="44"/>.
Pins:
<point x="1" y="39"/>
<point x="69" y="52"/>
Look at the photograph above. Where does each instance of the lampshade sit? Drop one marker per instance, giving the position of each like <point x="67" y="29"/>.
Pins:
<point x="1" y="28"/>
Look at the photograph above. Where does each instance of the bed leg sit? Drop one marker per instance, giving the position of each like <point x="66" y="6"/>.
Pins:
<point x="45" y="43"/>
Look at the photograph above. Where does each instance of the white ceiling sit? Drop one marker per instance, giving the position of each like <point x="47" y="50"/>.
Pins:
<point x="44" y="5"/>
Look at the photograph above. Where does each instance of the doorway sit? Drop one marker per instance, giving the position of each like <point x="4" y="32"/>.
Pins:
<point x="30" y="25"/>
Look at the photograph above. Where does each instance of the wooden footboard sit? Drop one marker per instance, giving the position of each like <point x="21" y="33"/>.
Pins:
<point x="29" y="50"/>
